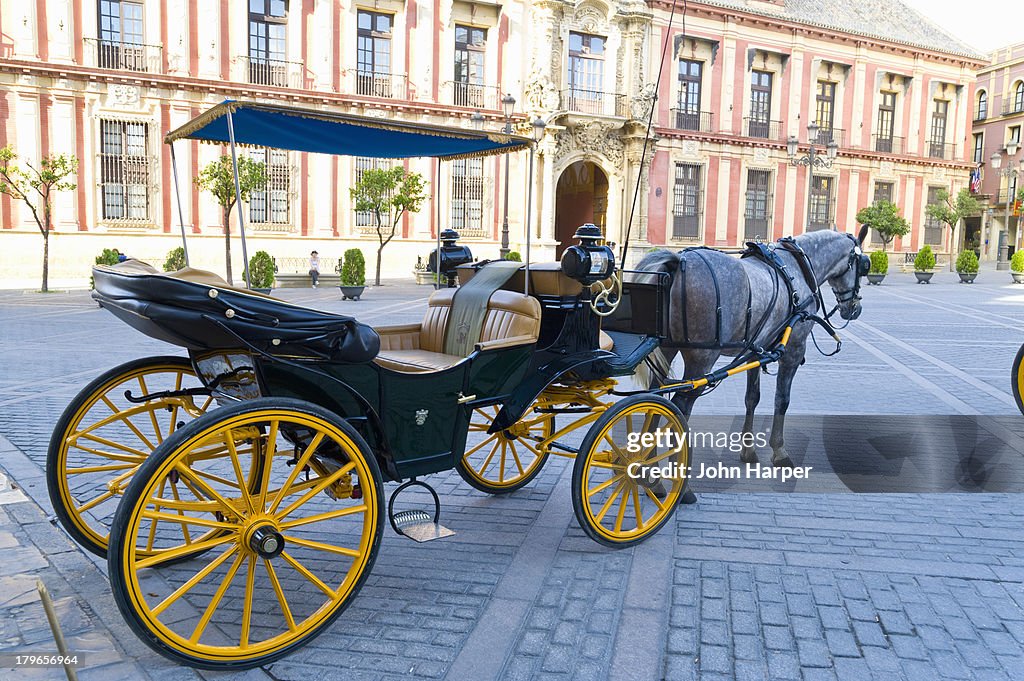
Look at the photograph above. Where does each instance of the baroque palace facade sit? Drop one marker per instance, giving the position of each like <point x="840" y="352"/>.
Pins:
<point x="105" y="79"/>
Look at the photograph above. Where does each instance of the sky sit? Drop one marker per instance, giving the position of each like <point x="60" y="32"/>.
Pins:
<point x="983" y="24"/>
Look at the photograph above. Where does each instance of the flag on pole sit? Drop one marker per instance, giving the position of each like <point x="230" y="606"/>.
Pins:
<point x="975" y="184"/>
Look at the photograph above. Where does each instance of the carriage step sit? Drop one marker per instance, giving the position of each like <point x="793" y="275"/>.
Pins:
<point x="417" y="525"/>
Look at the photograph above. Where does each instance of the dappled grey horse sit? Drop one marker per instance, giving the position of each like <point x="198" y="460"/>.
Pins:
<point x="755" y="303"/>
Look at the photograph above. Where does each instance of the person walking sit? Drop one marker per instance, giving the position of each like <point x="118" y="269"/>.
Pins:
<point x="314" y="268"/>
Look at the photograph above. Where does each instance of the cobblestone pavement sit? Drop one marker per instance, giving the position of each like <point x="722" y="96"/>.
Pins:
<point x="740" y="586"/>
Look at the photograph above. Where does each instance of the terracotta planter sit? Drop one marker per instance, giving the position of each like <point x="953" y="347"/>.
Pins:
<point x="351" y="292"/>
<point x="875" y="279"/>
<point x="923" y="277"/>
<point x="967" y="277"/>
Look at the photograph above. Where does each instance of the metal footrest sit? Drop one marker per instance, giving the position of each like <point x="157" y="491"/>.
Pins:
<point x="416" y="524"/>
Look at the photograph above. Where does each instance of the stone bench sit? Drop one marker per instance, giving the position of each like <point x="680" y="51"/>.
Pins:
<point x="293" y="280"/>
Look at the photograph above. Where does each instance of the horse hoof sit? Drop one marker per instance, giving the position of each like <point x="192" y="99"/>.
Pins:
<point x="748" y="456"/>
<point x="782" y="461"/>
<point x="688" y="497"/>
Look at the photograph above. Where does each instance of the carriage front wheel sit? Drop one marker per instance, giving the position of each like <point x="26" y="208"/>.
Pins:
<point x="505" y="461"/>
<point x="1017" y="379"/>
<point x="289" y="555"/>
<point x="631" y="470"/>
<point x="103" y="437"/>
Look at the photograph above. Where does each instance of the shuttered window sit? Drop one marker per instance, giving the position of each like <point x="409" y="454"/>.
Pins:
<point x="687" y="201"/>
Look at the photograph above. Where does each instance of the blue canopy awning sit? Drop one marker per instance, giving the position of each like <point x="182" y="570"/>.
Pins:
<point x="327" y="132"/>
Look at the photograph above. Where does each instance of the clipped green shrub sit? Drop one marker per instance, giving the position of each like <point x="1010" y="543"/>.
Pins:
<point x="1017" y="262"/>
<point x="879" y="262"/>
<point x="175" y="260"/>
<point x="967" y="262"/>
<point x="925" y="260"/>
<point x="109" y="256"/>
<point x="514" y="256"/>
<point x="261" y="270"/>
<point x="353" y="268"/>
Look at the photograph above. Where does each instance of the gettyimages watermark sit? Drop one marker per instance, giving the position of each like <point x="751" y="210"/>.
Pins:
<point x="838" y="453"/>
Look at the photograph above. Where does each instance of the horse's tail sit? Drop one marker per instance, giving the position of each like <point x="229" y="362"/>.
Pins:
<point x="653" y="371"/>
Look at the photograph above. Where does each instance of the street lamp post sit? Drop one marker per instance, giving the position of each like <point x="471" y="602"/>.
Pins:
<point x="508" y="105"/>
<point x="1003" y="258"/>
<point x="811" y="160"/>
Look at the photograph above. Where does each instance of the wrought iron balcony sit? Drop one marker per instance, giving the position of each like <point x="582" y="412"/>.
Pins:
<point x="981" y="115"/>
<point x="943" y="150"/>
<point x="274" y="72"/>
<point x="698" y="121"/>
<point x="472" y="95"/>
<point x="762" y="128"/>
<point x="127" y="56"/>
<point x="595" y="102"/>
<point x="381" y="84"/>
<point x="887" y="144"/>
<point x="827" y="135"/>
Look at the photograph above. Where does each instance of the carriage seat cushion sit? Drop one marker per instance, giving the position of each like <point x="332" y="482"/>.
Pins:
<point x="510" y="316"/>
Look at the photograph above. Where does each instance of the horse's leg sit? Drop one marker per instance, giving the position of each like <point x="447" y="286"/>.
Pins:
<point x="753" y="396"/>
<point x="696" y="363"/>
<point x="790" y="362"/>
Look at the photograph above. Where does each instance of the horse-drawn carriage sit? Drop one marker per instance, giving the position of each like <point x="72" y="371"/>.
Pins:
<point x="238" y="494"/>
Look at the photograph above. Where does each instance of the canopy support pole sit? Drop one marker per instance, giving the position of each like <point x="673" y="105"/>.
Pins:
<point x="238" y="200"/>
<point x="177" y="195"/>
<point x="437" y="230"/>
<point x="529" y="222"/>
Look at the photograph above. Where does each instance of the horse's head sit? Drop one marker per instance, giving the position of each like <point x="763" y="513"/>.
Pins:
<point x="845" y="277"/>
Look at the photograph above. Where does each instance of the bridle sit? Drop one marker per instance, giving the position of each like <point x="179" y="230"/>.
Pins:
<point x="862" y="265"/>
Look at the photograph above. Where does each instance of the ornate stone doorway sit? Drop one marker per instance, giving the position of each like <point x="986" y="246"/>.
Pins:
<point x="581" y="196"/>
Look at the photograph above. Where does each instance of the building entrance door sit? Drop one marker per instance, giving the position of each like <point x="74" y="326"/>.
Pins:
<point x="580" y="197"/>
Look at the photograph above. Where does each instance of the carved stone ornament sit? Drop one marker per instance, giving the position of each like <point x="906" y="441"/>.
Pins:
<point x="588" y="19"/>
<point x="762" y="156"/>
<point x="691" y="148"/>
<point x="540" y="94"/>
<point x="593" y="137"/>
<point x="124" y="95"/>
<point x="939" y="173"/>
<point x="640" y="105"/>
<point x="887" y="169"/>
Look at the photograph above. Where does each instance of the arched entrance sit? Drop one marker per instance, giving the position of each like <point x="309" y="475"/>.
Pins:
<point x="581" y="196"/>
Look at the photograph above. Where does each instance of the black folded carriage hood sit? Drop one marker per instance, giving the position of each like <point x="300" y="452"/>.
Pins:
<point x="199" y="311"/>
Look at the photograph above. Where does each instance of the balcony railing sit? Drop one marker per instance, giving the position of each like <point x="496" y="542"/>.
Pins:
<point x="472" y="95"/>
<point x="887" y="144"/>
<point x="112" y="54"/>
<point x="698" y="121"/>
<point x="981" y="115"/>
<point x="827" y="135"/>
<point x="274" y="72"/>
<point x="379" y="84"/>
<point x="1012" y="107"/>
<point x="941" y="150"/>
<point x="594" y="102"/>
<point x="1000" y="197"/>
<point x="762" y="128"/>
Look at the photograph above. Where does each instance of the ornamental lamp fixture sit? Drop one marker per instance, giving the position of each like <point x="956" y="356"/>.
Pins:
<point x="1011" y="147"/>
<point x="996" y="160"/>
<point x="812" y="131"/>
<point x="791" y="145"/>
<point x="508" y="105"/>
<point x="477" y="119"/>
<point x="832" y="149"/>
<point x="538" y="129"/>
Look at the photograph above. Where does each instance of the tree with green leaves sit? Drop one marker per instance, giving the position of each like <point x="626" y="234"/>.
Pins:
<point x="388" y="193"/>
<point x="884" y="217"/>
<point x="35" y="186"/>
<point x="951" y="211"/>
<point x="218" y="178"/>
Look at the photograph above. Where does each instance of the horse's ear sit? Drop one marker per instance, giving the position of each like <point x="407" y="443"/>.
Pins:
<point x="863" y="234"/>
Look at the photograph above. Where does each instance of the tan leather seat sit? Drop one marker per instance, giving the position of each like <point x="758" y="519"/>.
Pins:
<point x="511" y="319"/>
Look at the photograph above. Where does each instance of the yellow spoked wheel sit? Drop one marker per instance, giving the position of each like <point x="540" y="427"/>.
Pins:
<point x="630" y="471"/>
<point x="289" y="555"/>
<point x="507" y="460"/>
<point x="1017" y="379"/>
<point x="102" y="438"/>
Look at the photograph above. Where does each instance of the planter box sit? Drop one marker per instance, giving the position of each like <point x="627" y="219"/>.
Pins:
<point x="423" y="277"/>
<point x="875" y="279"/>
<point x="923" y="277"/>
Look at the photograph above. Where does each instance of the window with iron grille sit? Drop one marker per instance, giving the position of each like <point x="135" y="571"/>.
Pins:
<point x="586" y="72"/>
<point x="758" y="214"/>
<point x="886" y="121"/>
<point x="982" y="110"/>
<point x="468" y="196"/>
<point x="687" y="201"/>
<point x="120" y="44"/>
<point x="365" y="220"/>
<point x="932" y="226"/>
<point x="979" y="147"/>
<point x="268" y="21"/>
<point x="821" y="203"/>
<point x="688" y="103"/>
<point x="760" y="104"/>
<point x="124" y="170"/>
<point x="470" y="43"/>
<point x="937" y="140"/>
<point x="272" y="206"/>
<point x="373" y="54"/>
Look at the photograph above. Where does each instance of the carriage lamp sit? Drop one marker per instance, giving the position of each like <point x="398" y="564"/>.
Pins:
<point x="589" y="262"/>
<point x="451" y="256"/>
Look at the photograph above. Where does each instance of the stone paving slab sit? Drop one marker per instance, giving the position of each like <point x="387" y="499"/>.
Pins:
<point x="740" y="586"/>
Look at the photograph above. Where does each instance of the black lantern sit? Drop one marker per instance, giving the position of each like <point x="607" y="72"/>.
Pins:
<point x="452" y="256"/>
<point x="589" y="262"/>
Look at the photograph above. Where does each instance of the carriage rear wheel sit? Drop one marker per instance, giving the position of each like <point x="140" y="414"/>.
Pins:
<point x="290" y="555"/>
<point x="630" y="470"/>
<point x="507" y="460"/>
<point x="1017" y="379"/>
<point x="102" y="438"/>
